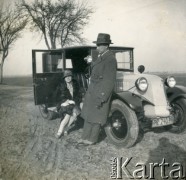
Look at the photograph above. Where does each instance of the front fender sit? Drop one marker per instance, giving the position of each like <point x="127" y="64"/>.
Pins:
<point x="133" y="101"/>
<point x="176" y="92"/>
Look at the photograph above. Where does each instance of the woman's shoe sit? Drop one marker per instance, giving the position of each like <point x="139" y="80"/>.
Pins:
<point x="65" y="133"/>
<point x="58" y="135"/>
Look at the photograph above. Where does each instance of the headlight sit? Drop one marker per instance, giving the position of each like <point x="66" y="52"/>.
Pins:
<point x="170" y="81"/>
<point x="142" y="84"/>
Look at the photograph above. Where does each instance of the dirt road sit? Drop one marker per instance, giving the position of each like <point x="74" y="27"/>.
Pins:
<point x="29" y="149"/>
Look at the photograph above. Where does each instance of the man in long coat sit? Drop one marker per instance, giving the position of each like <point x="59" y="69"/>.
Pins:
<point x="97" y="99"/>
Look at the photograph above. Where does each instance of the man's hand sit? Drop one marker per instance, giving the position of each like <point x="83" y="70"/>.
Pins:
<point x="88" y="59"/>
<point x="99" y="103"/>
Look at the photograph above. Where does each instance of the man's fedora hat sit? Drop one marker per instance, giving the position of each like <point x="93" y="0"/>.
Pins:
<point x="103" y="39"/>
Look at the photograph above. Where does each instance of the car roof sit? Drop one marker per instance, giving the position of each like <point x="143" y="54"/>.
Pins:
<point x="84" y="47"/>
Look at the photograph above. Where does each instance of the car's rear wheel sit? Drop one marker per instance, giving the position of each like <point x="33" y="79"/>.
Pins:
<point x="179" y="107"/>
<point x="122" y="127"/>
<point x="45" y="113"/>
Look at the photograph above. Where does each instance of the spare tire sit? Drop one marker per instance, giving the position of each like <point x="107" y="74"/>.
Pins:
<point x="45" y="113"/>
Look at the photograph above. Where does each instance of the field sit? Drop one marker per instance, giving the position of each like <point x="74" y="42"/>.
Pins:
<point x="30" y="151"/>
<point x="18" y="81"/>
<point x="180" y="77"/>
<point x="27" y="80"/>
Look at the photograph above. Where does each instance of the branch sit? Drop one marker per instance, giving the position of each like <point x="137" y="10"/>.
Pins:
<point x="12" y="24"/>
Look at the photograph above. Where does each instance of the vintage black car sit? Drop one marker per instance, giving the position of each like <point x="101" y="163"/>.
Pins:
<point x="140" y="101"/>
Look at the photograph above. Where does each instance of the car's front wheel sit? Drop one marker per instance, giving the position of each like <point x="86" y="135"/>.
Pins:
<point x="45" y="113"/>
<point x="179" y="107"/>
<point x="122" y="127"/>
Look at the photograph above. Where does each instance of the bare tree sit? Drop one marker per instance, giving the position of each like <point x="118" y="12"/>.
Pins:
<point x="60" y="22"/>
<point x="11" y="25"/>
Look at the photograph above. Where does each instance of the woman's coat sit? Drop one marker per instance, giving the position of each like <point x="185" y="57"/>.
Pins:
<point x="62" y="93"/>
<point x="102" y="81"/>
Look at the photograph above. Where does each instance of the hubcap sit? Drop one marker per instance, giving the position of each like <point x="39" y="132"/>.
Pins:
<point x="118" y="124"/>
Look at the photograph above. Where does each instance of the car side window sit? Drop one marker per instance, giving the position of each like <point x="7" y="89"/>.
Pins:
<point x="69" y="64"/>
<point x="52" y="62"/>
<point x="123" y="60"/>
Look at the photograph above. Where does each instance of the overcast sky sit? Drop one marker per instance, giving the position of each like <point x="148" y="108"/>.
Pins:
<point x="155" y="28"/>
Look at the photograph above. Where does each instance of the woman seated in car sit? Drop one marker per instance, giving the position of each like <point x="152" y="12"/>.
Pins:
<point x="69" y="102"/>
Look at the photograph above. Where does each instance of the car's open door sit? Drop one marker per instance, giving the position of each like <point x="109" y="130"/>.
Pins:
<point x="47" y="70"/>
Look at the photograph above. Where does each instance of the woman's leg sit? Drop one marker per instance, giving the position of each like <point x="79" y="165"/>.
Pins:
<point x="70" y="126"/>
<point x="72" y="119"/>
<point x="76" y="112"/>
<point x="63" y="124"/>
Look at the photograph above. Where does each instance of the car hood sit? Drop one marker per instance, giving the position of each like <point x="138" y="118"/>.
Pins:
<point x="155" y="92"/>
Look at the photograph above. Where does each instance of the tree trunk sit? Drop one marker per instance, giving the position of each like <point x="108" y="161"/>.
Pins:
<point x="1" y="73"/>
<point x="46" y="41"/>
<point x="1" y="68"/>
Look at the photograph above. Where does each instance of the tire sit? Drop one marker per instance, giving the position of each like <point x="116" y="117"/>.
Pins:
<point x="179" y="107"/>
<point x="49" y="115"/>
<point x="122" y="127"/>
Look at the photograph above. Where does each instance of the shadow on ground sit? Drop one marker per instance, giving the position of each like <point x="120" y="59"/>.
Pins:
<point x="168" y="161"/>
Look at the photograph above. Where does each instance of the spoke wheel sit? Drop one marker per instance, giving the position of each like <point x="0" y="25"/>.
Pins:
<point x="122" y="127"/>
<point x="118" y="125"/>
<point x="179" y="107"/>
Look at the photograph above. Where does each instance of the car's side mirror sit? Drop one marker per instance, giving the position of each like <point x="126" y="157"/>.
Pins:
<point x="141" y="69"/>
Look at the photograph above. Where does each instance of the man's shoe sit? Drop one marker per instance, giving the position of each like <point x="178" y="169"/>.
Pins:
<point x="88" y="142"/>
<point x="82" y="144"/>
<point x="85" y="142"/>
<point x="80" y="141"/>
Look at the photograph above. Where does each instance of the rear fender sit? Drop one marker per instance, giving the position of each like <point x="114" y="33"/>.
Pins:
<point x="176" y="93"/>
<point x="131" y="100"/>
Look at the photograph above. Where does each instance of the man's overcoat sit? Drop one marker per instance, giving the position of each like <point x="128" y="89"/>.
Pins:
<point x="102" y="81"/>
